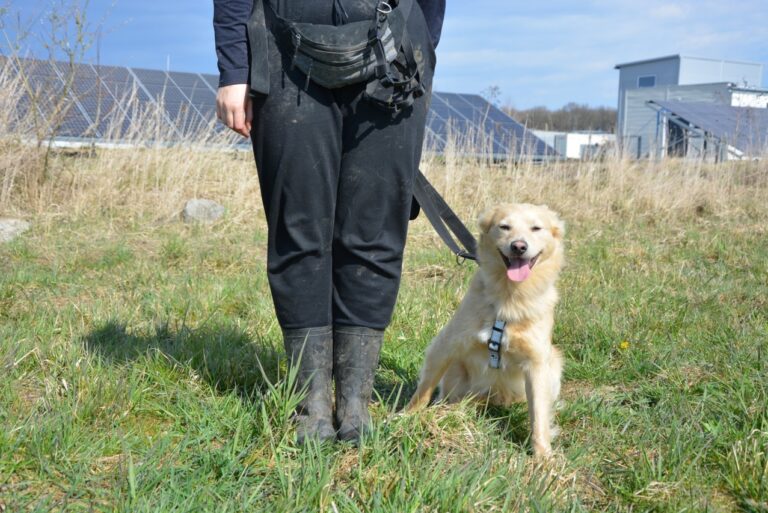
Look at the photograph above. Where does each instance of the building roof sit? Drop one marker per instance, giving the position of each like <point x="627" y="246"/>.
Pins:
<point x="741" y="89"/>
<point x="645" y="61"/>
<point x="678" y="56"/>
<point x="730" y="85"/>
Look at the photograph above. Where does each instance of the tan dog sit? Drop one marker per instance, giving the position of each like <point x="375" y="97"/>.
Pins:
<point x="520" y="253"/>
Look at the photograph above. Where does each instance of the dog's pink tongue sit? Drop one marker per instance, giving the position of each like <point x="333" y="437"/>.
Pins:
<point x="519" y="269"/>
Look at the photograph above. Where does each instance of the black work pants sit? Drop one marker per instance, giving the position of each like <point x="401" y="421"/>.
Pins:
<point x="336" y="176"/>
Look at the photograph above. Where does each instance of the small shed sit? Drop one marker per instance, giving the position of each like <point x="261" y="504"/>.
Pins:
<point x="683" y="79"/>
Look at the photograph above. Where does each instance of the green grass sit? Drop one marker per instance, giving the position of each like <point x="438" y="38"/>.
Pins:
<point x="141" y="370"/>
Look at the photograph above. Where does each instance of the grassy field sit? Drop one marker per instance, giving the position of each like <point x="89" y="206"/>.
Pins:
<point x="141" y="367"/>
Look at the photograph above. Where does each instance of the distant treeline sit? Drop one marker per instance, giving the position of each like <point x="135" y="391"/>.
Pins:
<point x="569" y="118"/>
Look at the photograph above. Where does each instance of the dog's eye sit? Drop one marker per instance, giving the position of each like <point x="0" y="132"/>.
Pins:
<point x="535" y="228"/>
<point x="504" y="227"/>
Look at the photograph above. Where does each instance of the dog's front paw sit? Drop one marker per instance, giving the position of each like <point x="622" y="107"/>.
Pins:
<point x="417" y="402"/>
<point x="542" y="450"/>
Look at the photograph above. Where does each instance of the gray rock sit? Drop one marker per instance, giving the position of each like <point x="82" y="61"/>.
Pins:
<point x="12" y="228"/>
<point x="201" y="211"/>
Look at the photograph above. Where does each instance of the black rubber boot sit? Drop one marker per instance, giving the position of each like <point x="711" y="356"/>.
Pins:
<point x="355" y="358"/>
<point x="312" y="350"/>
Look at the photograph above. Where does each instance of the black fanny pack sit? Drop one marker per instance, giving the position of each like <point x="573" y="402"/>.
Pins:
<point x="378" y="52"/>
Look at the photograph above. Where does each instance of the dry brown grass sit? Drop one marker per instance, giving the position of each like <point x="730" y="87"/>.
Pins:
<point x="611" y="188"/>
<point x="153" y="183"/>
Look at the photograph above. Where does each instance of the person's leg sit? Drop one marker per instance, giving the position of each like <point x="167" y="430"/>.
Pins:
<point x="380" y="159"/>
<point x="296" y="139"/>
<point x="379" y="163"/>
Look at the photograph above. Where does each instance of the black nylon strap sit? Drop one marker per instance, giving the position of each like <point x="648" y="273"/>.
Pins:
<point x="258" y="47"/>
<point x="445" y="222"/>
<point x="377" y="31"/>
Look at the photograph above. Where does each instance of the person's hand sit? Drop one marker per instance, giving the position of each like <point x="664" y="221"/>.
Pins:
<point x="233" y="108"/>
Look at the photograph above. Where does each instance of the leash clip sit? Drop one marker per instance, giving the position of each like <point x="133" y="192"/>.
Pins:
<point x="463" y="256"/>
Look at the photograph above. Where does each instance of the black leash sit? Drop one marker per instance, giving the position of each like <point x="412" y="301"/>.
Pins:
<point x="446" y="223"/>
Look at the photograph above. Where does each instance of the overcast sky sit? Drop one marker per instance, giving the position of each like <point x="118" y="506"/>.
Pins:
<point x="536" y="53"/>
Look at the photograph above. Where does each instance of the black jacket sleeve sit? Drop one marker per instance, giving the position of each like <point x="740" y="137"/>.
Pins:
<point x="230" y="18"/>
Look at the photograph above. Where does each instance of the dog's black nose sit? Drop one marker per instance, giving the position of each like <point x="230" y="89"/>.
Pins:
<point x="519" y="247"/>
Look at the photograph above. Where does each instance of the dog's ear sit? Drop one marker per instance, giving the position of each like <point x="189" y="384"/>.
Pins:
<point x="487" y="219"/>
<point x="557" y="225"/>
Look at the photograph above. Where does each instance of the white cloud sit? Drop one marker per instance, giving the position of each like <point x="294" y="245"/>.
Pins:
<point x="668" y="12"/>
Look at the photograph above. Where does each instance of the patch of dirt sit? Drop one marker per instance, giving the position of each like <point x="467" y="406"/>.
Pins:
<point x="583" y="388"/>
<point x="29" y="393"/>
<point x="429" y="271"/>
<point x="107" y="464"/>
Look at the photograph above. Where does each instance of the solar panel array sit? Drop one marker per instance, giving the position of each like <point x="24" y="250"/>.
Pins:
<point x="109" y="103"/>
<point x="474" y="125"/>
<point x="744" y="128"/>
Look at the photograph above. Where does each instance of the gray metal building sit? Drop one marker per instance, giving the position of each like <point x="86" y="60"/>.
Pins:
<point x="682" y="79"/>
